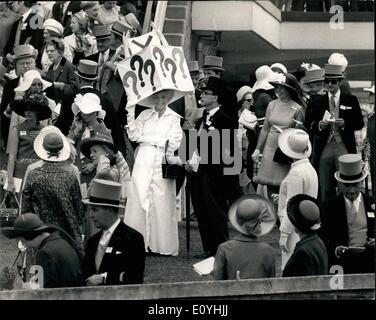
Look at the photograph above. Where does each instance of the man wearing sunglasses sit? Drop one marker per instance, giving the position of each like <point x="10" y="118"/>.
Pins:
<point x="334" y="118"/>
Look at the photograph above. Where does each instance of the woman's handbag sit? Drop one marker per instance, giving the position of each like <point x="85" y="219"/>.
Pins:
<point x="8" y="215"/>
<point x="248" y="119"/>
<point x="171" y="171"/>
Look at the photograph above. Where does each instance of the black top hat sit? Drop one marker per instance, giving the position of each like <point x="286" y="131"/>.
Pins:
<point x="215" y="84"/>
<point x="26" y="225"/>
<point x="304" y="213"/>
<point x="32" y="104"/>
<point x="99" y="138"/>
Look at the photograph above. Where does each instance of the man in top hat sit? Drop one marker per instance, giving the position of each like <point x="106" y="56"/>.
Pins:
<point x="349" y="220"/>
<point x="310" y="257"/>
<point x="339" y="59"/>
<point x="333" y="119"/>
<point x="245" y="256"/>
<point x="214" y="187"/>
<point x="116" y="254"/>
<point x="213" y="67"/>
<point x="63" y="11"/>
<point x="58" y="256"/>
<point x="28" y="29"/>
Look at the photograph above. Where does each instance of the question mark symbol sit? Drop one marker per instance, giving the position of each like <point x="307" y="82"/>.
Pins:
<point x="171" y="62"/>
<point x="140" y="61"/>
<point x="150" y="64"/>
<point x="131" y="75"/>
<point x="161" y="55"/>
<point x="181" y="60"/>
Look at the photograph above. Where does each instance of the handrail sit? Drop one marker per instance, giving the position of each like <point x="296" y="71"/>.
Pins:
<point x="160" y="15"/>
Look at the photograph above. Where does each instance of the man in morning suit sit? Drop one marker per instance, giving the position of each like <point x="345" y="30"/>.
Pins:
<point x="334" y="135"/>
<point x="214" y="187"/>
<point x="115" y="255"/>
<point x="63" y="11"/>
<point x="348" y="223"/>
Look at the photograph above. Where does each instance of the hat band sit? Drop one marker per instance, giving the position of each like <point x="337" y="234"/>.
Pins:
<point x="86" y="75"/>
<point x="104" y="201"/>
<point x="353" y="177"/>
<point x="211" y="66"/>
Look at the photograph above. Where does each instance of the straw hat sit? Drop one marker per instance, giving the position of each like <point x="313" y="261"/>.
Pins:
<point x="86" y="103"/>
<point x="101" y="139"/>
<point x="104" y="193"/>
<point x="253" y="215"/>
<point x="120" y="28"/>
<point x="88" y="70"/>
<point x="52" y="146"/>
<point x="24" y="51"/>
<point x="26" y="225"/>
<point x="28" y="79"/>
<point x="304" y="213"/>
<point x="263" y="75"/>
<point x="350" y="169"/>
<point x="295" y="143"/>
<point x="314" y="75"/>
<point x="333" y="71"/>
<point x="101" y="32"/>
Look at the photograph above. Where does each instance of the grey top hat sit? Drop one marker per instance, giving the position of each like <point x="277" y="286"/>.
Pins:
<point x="333" y="71"/>
<point x="193" y="67"/>
<point x="350" y="169"/>
<point x="213" y="63"/>
<point x="88" y="70"/>
<point x="104" y="193"/>
<point x="120" y="28"/>
<point x="314" y="75"/>
<point x="101" y="32"/>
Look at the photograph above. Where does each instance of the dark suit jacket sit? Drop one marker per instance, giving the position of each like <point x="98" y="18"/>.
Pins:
<point x="335" y="230"/>
<point x="60" y="262"/>
<point x="309" y="258"/>
<point x="57" y="14"/>
<point x="31" y="35"/>
<point x="130" y="260"/>
<point x="95" y="57"/>
<point x="225" y="126"/>
<point x="349" y="111"/>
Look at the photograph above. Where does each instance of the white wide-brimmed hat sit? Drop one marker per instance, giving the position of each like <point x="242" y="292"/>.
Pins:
<point x="51" y="145"/>
<point x="295" y="143"/>
<point x="86" y="103"/>
<point x="253" y="215"/>
<point x="104" y="193"/>
<point x="279" y="66"/>
<point x="242" y="92"/>
<point x="28" y="79"/>
<point x="263" y="75"/>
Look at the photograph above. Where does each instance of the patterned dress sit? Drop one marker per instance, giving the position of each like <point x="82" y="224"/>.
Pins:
<point x="54" y="194"/>
<point x="279" y="116"/>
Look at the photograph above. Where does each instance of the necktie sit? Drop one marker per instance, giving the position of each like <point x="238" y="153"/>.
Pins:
<point x="353" y="213"/>
<point x="205" y="116"/>
<point x="101" y="250"/>
<point x="332" y="104"/>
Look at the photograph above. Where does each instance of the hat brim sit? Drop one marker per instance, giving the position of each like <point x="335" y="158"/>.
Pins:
<point x="42" y="153"/>
<point x="87" y="78"/>
<point x="265" y="227"/>
<point x="333" y="77"/>
<point x="86" y="144"/>
<point x="87" y="201"/>
<point x="276" y="84"/>
<point x="213" y="68"/>
<point x="262" y="85"/>
<point x="147" y="102"/>
<point x="313" y="80"/>
<point x="26" y="86"/>
<point x="283" y="145"/>
<point x="43" y="110"/>
<point x="11" y="232"/>
<point x="339" y="179"/>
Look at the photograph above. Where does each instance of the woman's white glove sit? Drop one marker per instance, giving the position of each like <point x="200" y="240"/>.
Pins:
<point x="256" y="156"/>
<point x="174" y="160"/>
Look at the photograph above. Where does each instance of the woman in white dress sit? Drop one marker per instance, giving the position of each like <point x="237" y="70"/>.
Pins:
<point x="151" y="204"/>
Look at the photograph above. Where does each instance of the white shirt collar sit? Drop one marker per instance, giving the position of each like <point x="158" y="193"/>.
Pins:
<point x="356" y="202"/>
<point x="114" y="226"/>
<point x="26" y="14"/>
<point x="336" y="96"/>
<point x="212" y="112"/>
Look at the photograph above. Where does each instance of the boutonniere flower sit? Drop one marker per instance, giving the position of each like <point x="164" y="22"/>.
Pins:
<point x="373" y="207"/>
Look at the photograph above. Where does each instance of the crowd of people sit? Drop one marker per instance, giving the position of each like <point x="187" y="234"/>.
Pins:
<point x="292" y="153"/>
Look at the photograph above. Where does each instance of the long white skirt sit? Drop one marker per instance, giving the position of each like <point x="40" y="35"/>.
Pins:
<point x="151" y="203"/>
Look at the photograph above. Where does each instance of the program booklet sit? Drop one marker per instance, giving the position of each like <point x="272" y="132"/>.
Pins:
<point x="204" y="267"/>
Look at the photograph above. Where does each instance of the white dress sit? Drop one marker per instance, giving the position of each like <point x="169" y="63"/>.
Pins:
<point x="151" y="203"/>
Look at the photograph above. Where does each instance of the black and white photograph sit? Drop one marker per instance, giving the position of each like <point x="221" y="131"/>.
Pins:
<point x="209" y="151"/>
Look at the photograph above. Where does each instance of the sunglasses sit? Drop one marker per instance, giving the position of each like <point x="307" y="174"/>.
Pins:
<point x="332" y="81"/>
<point x="248" y="100"/>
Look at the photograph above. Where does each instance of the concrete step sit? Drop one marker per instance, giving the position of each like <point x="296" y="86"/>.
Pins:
<point x="174" y="39"/>
<point x="174" y="25"/>
<point x="178" y="3"/>
<point x="176" y="12"/>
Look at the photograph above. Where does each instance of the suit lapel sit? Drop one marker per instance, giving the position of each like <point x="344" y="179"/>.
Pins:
<point x="107" y="263"/>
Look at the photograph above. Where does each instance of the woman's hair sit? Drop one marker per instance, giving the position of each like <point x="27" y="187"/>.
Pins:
<point x="35" y="99"/>
<point x="58" y="44"/>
